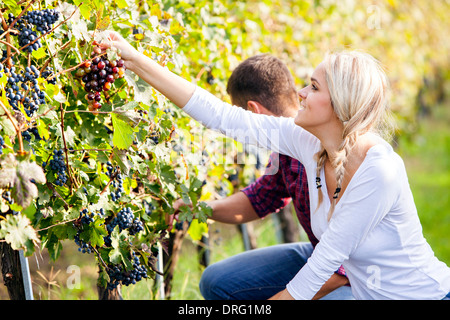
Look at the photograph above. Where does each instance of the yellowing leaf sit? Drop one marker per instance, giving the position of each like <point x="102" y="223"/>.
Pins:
<point x="39" y="53"/>
<point x="18" y="232"/>
<point x="197" y="229"/>
<point x="21" y="176"/>
<point x="104" y="23"/>
<point x="156" y="11"/>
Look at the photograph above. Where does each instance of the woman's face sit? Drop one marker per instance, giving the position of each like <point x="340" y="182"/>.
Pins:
<point x="316" y="111"/>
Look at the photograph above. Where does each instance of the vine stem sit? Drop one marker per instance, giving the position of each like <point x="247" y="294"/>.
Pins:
<point x="71" y="111"/>
<point x="9" y="45"/>
<point x="8" y="40"/>
<point x="42" y="114"/>
<point x="50" y="186"/>
<point x="109" y="182"/>
<point x="8" y="32"/>
<point x="56" y="224"/>
<point x="83" y="150"/>
<point x="69" y="171"/>
<point x="100" y="258"/>
<point x="16" y="127"/>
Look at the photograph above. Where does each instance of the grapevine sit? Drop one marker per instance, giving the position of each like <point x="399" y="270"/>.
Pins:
<point x="95" y="156"/>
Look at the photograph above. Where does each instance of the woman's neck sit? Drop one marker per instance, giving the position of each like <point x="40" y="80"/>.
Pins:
<point x="331" y="138"/>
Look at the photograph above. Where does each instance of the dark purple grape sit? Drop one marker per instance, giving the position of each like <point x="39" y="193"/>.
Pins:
<point x="102" y="73"/>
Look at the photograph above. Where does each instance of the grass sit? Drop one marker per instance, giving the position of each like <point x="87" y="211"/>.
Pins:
<point x="427" y="159"/>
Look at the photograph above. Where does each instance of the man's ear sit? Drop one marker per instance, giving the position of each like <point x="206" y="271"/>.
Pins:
<point x="256" y="107"/>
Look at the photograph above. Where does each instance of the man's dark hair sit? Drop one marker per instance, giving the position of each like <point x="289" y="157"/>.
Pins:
<point x="265" y="79"/>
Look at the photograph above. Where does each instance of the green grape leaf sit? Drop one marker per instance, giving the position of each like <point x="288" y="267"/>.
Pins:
<point x="123" y="132"/>
<point x="121" y="3"/>
<point x="121" y="251"/>
<point x="120" y="156"/>
<point x="96" y="232"/>
<point x="13" y="6"/>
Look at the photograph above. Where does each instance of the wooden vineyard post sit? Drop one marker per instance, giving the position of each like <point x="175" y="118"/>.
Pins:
<point x="15" y="272"/>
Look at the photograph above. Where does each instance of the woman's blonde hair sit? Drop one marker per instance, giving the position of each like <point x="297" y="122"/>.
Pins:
<point x="359" y="91"/>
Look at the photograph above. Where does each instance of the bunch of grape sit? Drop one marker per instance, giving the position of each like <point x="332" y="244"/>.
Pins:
<point x="27" y="134"/>
<point x="57" y="164"/>
<point x="22" y="87"/>
<point x="118" y="275"/>
<point x="48" y="73"/>
<point x="117" y="181"/>
<point x="40" y="20"/>
<point x="136" y="227"/>
<point x="3" y="59"/>
<point x="83" y="246"/>
<point x="2" y="142"/>
<point x="98" y="75"/>
<point x="86" y="217"/>
<point x="154" y="136"/>
<point x="124" y="220"/>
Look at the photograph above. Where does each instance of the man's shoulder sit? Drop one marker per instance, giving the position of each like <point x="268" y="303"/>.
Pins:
<point x="288" y="161"/>
<point x="284" y="165"/>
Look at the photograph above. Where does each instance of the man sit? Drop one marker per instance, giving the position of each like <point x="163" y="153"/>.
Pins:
<point x="264" y="85"/>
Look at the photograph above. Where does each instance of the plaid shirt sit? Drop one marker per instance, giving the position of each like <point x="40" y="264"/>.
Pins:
<point x="284" y="179"/>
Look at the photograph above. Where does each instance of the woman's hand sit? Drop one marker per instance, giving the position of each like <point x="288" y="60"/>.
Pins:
<point x="177" y="89"/>
<point x="282" y="295"/>
<point x="126" y="51"/>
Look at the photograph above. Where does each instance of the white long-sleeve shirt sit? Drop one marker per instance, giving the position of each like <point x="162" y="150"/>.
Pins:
<point x="375" y="232"/>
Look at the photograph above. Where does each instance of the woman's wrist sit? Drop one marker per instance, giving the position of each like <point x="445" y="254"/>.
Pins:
<point x="131" y="62"/>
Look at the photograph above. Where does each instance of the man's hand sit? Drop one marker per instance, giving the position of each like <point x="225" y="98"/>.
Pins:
<point x="171" y="217"/>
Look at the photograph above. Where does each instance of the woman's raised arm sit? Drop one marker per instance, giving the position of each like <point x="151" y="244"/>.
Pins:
<point x="175" y="88"/>
<point x="273" y="133"/>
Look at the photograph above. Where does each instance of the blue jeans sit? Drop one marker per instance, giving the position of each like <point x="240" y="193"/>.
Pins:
<point x="259" y="274"/>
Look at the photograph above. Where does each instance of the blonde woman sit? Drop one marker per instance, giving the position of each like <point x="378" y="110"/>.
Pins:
<point x="362" y="208"/>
